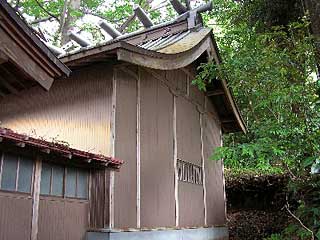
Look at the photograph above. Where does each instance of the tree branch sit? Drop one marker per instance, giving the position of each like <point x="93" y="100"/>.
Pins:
<point x="47" y="12"/>
<point x="301" y="223"/>
<point x="127" y="22"/>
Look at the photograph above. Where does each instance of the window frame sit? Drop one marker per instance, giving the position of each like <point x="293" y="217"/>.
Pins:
<point x="19" y="156"/>
<point x="64" y="182"/>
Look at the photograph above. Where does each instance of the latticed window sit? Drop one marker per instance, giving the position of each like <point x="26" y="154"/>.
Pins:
<point x="16" y="172"/>
<point x="64" y="181"/>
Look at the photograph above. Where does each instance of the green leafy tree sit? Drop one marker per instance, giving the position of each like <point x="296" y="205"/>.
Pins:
<point x="54" y="18"/>
<point x="269" y="60"/>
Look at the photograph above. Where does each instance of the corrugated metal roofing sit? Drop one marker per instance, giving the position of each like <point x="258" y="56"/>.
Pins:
<point x="176" y="43"/>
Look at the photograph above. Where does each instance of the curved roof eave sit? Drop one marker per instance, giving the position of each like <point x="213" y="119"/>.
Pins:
<point x="130" y="53"/>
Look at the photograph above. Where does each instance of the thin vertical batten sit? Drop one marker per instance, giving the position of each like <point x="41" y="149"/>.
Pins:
<point x="138" y="150"/>
<point x="36" y="200"/>
<point x="203" y="172"/>
<point x="17" y="173"/>
<point x="223" y="179"/>
<point x="175" y="158"/>
<point x="112" y="150"/>
<point x="1" y="166"/>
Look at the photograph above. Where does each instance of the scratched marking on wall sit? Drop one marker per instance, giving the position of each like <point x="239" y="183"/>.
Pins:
<point x="188" y="172"/>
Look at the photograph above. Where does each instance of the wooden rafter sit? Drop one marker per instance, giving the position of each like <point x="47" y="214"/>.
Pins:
<point x="215" y="92"/>
<point x="3" y="57"/>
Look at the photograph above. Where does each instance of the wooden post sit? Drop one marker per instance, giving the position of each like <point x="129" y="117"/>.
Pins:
<point x="175" y="159"/>
<point x="113" y="136"/>
<point x="203" y="169"/>
<point x="223" y="178"/>
<point x="138" y="150"/>
<point x="36" y="198"/>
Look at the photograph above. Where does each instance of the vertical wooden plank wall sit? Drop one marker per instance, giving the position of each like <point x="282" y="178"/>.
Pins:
<point x="191" y="203"/>
<point x="15" y="216"/>
<point x="62" y="219"/>
<point x="76" y="110"/>
<point x="125" y="195"/>
<point x="213" y="169"/>
<point x="99" y="199"/>
<point x="166" y="99"/>
<point x="157" y="169"/>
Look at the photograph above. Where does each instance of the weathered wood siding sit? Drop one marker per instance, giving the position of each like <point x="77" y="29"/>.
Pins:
<point x="213" y="169"/>
<point x="62" y="219"/>
<point x="125" y="190"/>
<point x="191" y="204"/>
<point x="15" y="216"/>
<point x="155" y="206"/>
<point x="76" y="110"/>
<point x="157" y="169"/>
<point x="99" y="199"/>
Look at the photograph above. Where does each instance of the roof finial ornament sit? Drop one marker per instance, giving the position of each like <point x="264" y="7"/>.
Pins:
<point x="193" y="14"/>
<point x="78" y="39"/>
<point x="114" y="33"/>
<point x="143" y="17"/>
<point x="178" y="6"/>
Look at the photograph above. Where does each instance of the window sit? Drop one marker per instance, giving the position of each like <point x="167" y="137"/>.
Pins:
<point x="15" y="172"/>
<point x="64" y="181"/>
<point x="189" y="172"/>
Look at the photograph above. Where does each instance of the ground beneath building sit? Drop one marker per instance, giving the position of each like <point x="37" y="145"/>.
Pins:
<point x="256" y="206"/>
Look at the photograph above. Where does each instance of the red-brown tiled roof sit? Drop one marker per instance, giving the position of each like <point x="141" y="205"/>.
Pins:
<point x="7" y="135"/>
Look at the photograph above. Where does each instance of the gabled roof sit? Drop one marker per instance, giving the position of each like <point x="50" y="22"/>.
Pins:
<point x="11" y="139"/>
<point x="24" y="58"/>
<point x="167" y="46"/>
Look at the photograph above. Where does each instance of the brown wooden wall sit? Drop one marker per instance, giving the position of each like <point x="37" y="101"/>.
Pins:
<point x="213" y="170"/>
<point x="156" y="131"/>
<point x="125" y="194"/>
<point x="62" y="219"/>
<point x="157" y="162"/>
<point x="191" y="204"/>
<point x="15" y="216"/>
<point x="99" y="199"/>
<point x="76" y="110"/>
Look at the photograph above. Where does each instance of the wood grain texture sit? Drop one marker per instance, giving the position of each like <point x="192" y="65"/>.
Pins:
<point x="191" y="204"/>
<point x="157" y="169"/>
<point x="20" y="58"/>
<point x="125" y="148"/>
<point x="214" y="179"/>
<point x="99" y="199"/>
<point x="36" y="199"/>
<point x="62" y="219"/>
<point x="177" y="80"/>
<point x="76" y="110"/>
<point x="15" y="216"/>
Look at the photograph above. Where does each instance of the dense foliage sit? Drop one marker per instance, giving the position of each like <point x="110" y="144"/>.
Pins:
<point x="270" y="65"/>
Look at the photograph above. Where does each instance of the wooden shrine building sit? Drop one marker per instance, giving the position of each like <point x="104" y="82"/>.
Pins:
<point x="112" y="141"/>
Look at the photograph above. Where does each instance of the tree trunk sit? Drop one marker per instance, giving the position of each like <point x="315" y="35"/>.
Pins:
<point x="68" y="19"/>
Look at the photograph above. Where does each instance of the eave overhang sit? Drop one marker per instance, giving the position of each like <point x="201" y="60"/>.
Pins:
<point x="24" y="39"/>
<point x="10" y="140"/>
<point x="169" y="58"/>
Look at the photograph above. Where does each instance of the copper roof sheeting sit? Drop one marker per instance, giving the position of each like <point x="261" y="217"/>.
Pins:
<point x="22" y="140"/>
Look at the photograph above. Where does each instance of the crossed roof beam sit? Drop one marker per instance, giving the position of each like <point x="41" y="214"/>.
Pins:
<point x="185" y="12"/>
